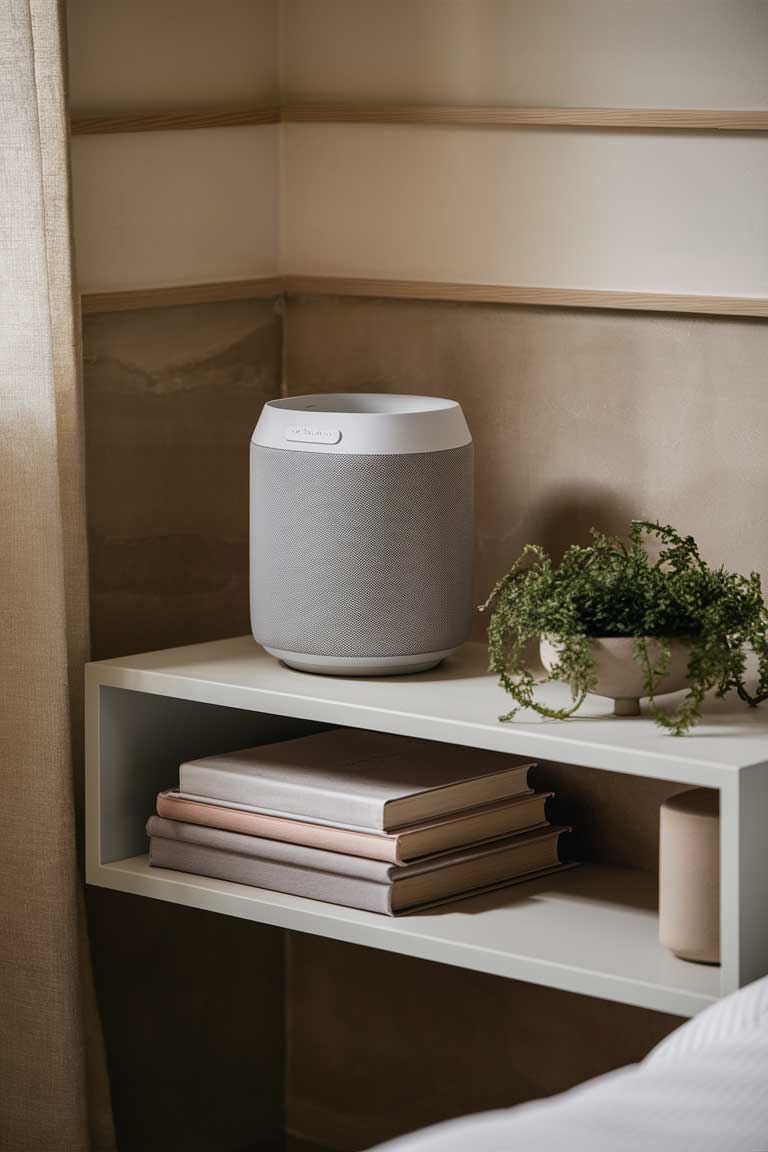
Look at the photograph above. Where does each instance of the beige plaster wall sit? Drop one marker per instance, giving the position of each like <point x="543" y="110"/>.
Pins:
<point x="145" y="55"/>
<point x="184" y="207"/>
<point x="658" y="53"/>
<point x="380" y="1044"/>
<point x="192" y="1006"/>
<point x="171" y="398"/>
<point x="162" y="208"/>
<point x="619" y="210"/>
<point x="580" y="418"/>
<point x="634" y="211"/>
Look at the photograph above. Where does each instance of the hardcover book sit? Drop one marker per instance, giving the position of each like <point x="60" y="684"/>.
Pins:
<point x="371" y="780"/>
<point x="371" y="885"/>
<point x="473" y="826"/>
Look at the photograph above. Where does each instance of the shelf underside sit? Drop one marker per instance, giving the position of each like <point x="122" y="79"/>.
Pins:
<point x="592" y="930"/>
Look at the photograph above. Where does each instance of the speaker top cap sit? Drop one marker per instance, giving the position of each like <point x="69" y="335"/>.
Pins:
<point x="362" y="423"/>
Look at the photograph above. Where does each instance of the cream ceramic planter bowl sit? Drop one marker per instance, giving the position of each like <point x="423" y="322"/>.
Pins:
<point x="619" y="676"/>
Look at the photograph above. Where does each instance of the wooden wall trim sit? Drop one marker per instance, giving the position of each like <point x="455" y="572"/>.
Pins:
<point x="172" y="121"/>
<point x="699" y="119"/>
<point x="260" y="289"/>
<point x="508" y="294"/>
<point x="293" y="285"/>
<point x="658" y="119"/>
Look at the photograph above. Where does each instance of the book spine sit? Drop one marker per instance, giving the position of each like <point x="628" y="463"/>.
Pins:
<point x="276" y="877"/>
<point x="372" y="847"/>
<point x="281" y="796"/>
<point x="295" y="855"/>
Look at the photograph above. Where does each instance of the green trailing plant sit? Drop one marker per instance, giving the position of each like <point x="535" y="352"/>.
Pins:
<point x="616" y="587"/>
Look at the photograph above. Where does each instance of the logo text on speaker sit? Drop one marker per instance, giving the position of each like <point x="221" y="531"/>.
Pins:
<point x="306" y="434"/>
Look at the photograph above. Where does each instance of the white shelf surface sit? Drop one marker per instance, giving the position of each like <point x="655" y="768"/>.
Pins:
<point x="458" y="702"/>
<point x="590" y="930"/>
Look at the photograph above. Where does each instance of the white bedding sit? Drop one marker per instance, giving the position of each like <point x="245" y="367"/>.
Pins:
<point x="703" y="1089"/>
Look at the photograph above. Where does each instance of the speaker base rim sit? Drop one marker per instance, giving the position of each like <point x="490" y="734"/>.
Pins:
<point x="359" y="665"/>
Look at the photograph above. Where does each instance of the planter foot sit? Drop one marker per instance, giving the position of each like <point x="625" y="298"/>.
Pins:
<point x="626" y="706"/>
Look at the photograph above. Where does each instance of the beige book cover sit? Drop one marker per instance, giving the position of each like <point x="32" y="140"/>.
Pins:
<point x="476" y="825"/>
<point x="349" y="776"/>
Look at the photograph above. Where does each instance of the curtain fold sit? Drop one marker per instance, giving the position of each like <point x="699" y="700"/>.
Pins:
<point x="53" y="1087"/>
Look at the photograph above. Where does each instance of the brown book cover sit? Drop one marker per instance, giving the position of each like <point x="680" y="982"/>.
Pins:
<point x="474" y="826"/>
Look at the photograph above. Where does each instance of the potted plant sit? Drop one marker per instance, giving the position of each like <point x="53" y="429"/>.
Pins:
<point x="613" y="619"/>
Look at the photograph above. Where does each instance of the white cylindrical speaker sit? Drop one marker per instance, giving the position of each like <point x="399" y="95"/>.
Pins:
<point x="361" y="532"/>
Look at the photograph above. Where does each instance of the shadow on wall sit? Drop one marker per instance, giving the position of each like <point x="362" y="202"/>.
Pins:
<point x="380" y="1044"/>
<point x="171" y="398"/>
<point x="563" y="517"/>
<point x="579" y="417"/>
<point x="567" y="515"/>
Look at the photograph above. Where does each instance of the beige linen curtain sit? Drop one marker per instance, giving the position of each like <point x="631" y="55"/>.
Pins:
<point x="53" y="1094"/>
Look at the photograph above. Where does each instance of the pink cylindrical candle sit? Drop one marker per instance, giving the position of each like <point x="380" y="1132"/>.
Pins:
<point x="689" y="875"/>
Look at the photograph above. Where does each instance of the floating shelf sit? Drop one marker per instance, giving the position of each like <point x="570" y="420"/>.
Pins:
<point x="592" y="930"/>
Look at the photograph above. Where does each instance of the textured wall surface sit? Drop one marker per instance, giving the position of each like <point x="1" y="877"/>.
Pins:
<point x="381" y="1044"/>
<point x="657" y="54"/>
<point x="188" y="207"/>
<point x="180" y="54"/>
<point x="172" y="396"/>
<point x="579" y="418"/>
<point x="650" y="211"/>
<point x="192" y="1009"/>
<point x="192" y="1003"/>
<point x="555" y="208"/>
<point x="153" y="209"/>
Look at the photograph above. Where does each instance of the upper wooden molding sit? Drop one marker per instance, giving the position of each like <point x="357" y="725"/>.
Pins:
<point x="268" y="287"/>
<point x="172" y="121"/>
<point x="658" y="119"/>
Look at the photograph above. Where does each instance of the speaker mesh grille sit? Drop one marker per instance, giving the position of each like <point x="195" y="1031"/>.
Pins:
<point x="361" y="556"/>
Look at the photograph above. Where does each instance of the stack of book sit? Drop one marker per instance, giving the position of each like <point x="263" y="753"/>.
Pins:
<point x="365" y="819"/>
